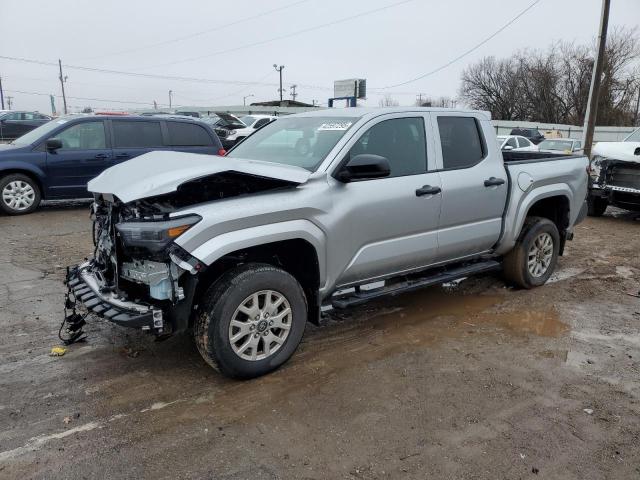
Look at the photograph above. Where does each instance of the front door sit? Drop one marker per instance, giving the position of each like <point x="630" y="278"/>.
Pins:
<point x="85" y="153"/>
<point x="474" y="186"/>
<point x="389" y="224"/>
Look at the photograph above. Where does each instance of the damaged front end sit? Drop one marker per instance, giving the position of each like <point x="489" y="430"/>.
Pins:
<point x="617" y="181"/>
<point x="138" y="276"/>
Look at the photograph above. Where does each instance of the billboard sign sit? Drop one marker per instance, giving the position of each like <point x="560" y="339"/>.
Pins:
<point x="352" y="87"/>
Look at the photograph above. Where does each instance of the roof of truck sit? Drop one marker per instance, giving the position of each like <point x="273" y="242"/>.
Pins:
<point x="364" y="111"/>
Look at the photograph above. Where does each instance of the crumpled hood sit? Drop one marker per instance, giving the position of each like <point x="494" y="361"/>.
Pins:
<point x="157" y="173"/>
<point x="626" y="151"/>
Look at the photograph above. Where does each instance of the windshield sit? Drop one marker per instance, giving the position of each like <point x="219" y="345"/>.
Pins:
<point x="555" y="145"/>
<point x="37" y="133"/>
<point x="299" y="141"/>
<point x="634" y="137"/>
<point x="248" y="120"/>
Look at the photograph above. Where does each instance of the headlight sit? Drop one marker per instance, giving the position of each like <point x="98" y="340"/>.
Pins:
<point x="595" y="167"/>
<point x="155" y="236"/>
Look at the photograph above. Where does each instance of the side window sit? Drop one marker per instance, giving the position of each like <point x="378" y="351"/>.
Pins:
<point x="187" y="135"/>
<point x="511" y="143"/>
<point x="401" y="141"/>
<point x="14" y="116"/>
<point x="523" y="142"/>
<point x="577" y="145"/>
<point x="83" y="136"/>
<point x="128" y="134"/>
<point x="461" y="141"/>
<point x="261" y="123"/>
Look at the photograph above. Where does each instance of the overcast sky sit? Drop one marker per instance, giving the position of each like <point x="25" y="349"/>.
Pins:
<point x="387" y="47"/>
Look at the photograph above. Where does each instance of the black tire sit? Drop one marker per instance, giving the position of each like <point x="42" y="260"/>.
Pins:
<point x="596" y="206"/>
<point x="220" y="301"/>
<point x="22" y="179"/>
<point x="516" y="268"/>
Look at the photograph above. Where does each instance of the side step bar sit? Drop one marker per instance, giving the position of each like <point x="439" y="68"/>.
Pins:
<point x="360" y="297"/>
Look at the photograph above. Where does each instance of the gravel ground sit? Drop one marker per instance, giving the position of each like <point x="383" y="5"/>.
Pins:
<point x="470" y="381"/>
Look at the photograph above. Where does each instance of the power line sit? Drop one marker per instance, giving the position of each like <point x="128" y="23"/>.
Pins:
<point x="287" y="35"/>
<point x="85" y="98"/>
<point x="200" y="33"/>
<point x="459" y="57"/>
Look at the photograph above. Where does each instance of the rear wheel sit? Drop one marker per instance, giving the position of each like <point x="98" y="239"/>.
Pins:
<point x="535" y="255"/>
<point x="251" y="321"/>
<point x="596" y="206"/>
<point x="19" y="194"/>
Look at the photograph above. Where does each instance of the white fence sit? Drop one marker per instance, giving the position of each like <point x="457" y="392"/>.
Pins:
<point x="601" y="134"/>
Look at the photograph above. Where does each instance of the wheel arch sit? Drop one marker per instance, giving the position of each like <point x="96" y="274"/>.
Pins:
<point x="35" y="174"/>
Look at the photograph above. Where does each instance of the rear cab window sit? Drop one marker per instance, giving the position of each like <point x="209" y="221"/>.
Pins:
<point x="136" y="134"/>
<point x="462" y="142"/>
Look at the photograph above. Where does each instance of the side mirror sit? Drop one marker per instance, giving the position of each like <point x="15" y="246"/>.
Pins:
<point x="506" y="148"/>
<point x="53" y="144"/>
<point x="364" y="166"/>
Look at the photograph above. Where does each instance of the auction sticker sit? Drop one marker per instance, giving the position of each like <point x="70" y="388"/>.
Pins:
<point x="335" y="126"/>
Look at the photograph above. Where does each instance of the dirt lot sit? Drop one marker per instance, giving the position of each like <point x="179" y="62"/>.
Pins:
<point x="474" y="381"/>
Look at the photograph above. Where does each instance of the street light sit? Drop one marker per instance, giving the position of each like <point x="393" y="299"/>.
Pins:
<point x="244" y="99"/>
<point x="279" y="70"/>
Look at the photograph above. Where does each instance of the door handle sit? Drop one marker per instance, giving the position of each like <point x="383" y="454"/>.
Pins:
<point x="101" y="156"/>
<point x="493" y="182"/>
<point x="427" y="190"/>
<point x="122" y="155"/>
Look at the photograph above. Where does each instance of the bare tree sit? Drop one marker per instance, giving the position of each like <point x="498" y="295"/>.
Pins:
<point x="553" y="86"/>
<point x="388" y="101"/>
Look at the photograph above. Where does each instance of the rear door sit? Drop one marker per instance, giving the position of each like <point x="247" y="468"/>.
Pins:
<point x="135" y="137"/>
<point x="474" y="185"/>
<point x="191" y="137"/>
<point x="390" y="223"/>
<point x="85" y="153"/>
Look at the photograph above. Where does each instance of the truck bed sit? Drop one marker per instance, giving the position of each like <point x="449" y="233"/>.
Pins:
<point x="532" y="157"/>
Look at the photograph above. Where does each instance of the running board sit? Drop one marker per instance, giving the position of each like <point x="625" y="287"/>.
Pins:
<point x="360" y="297"/>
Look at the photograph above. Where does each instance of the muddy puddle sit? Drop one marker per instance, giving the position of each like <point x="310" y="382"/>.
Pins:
<point x="366" y="335"/>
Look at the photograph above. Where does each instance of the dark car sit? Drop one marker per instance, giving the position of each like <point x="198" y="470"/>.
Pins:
<point x="56" y="160"/>
<point x="533" y="134"/>
<point x="224" y="124"/>
<point x="15" y="124"/>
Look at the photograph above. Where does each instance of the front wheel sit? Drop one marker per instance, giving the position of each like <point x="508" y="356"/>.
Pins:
<point x="535" y="255"/>
<point x="251" y="321"/>
<point x="19" y="194"/>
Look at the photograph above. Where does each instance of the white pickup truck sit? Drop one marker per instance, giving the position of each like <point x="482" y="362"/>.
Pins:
<point x="331" y="207"/>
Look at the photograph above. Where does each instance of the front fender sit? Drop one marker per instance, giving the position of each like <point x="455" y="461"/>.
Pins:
<point x="229" y="242"/>
<point x="18" y="166"/>
<point x="519" y="206"/>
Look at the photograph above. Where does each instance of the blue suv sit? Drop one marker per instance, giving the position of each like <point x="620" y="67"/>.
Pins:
<point x="56" y="160"/>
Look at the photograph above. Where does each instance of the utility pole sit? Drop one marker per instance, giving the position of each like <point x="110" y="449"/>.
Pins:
<point x="244" y="99"/>
<point x="293" y="92"/>
<point x="279" y="70"/>
<point x="2" y="95"/>
<point x="62" y="82"/>
<point x="170" y="95"/>
<point x="594" y="90"/>
<point x="419" y="99"/>
<point x="635" y="117"/>
<point x="9" y="102"/>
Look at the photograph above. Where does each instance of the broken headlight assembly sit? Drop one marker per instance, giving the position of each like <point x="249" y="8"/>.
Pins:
<point x="595" y="166"/>
<point x="154" y="236"/>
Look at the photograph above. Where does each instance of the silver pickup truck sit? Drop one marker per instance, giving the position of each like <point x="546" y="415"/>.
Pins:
<point x="329" y="208"/>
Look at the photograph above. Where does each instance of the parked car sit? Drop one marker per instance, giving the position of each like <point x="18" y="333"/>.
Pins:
<point x="224" y="124"/>
<point x="187" y="113"/>
<point x="14" y="124"/>
<point x="564" y="145"/>
<point x="615" y="175"/>
<point x="532" y="134"/>
<point x="515" y="143"/>
<point x="253" y="123"/>
<point x="246" y="250"/>
<point x="57" y="159"/>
